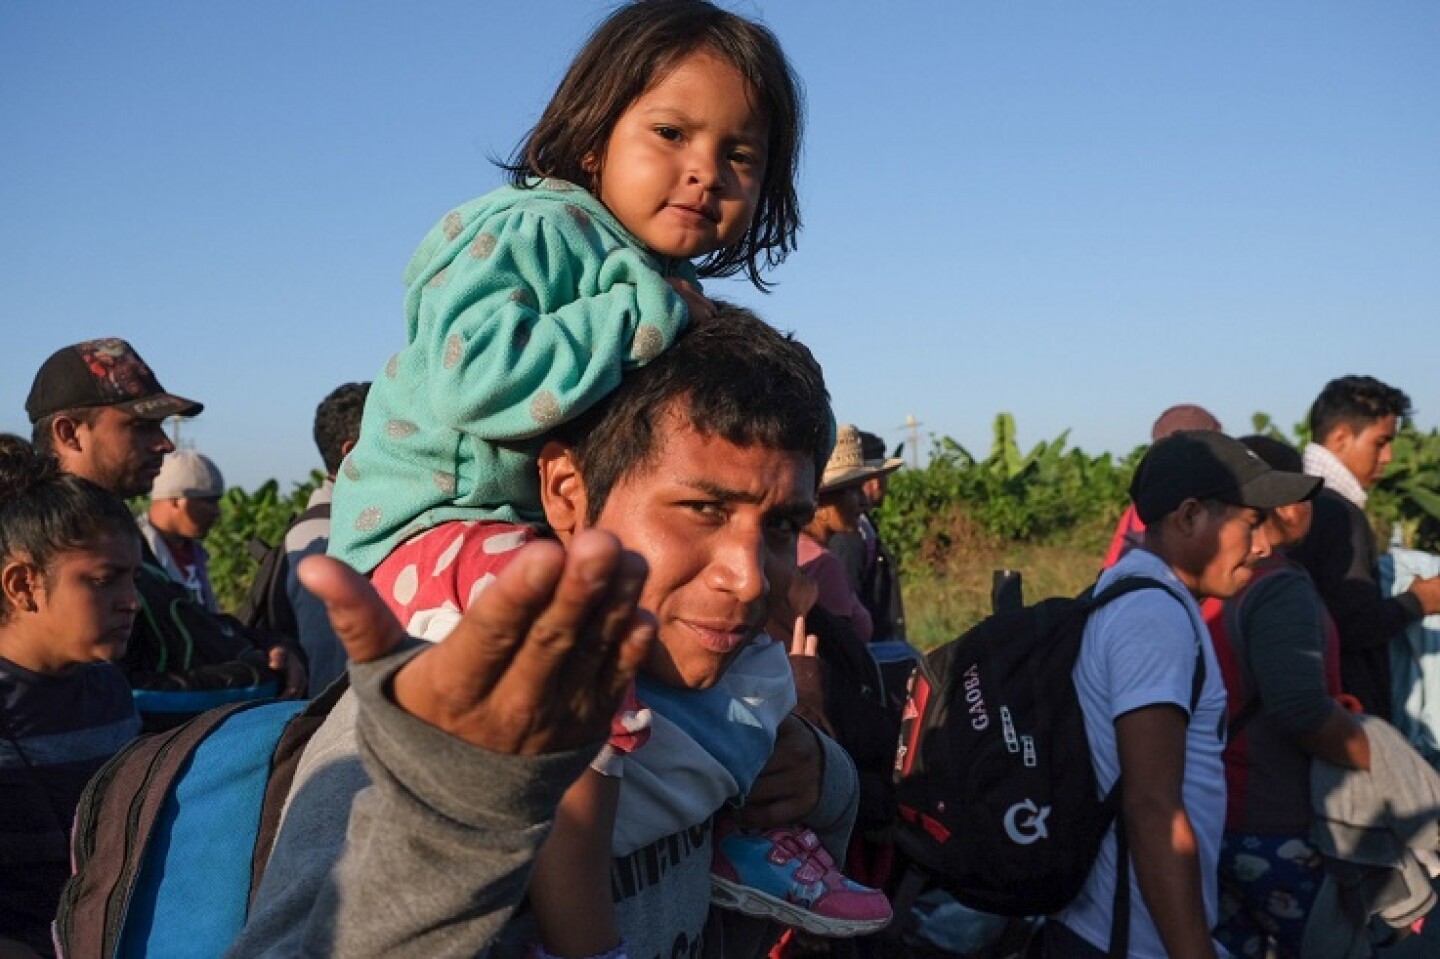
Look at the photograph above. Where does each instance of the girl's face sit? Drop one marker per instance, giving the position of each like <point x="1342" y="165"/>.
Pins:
<point x="80" y="611"/>
<point x="683" y="166"/>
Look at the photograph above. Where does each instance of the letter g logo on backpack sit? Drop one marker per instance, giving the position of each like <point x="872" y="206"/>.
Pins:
<point x="1025" y="822"/>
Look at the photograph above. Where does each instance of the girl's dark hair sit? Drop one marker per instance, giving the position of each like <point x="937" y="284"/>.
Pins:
<point x="629" y="53"/>
<point x="44" y="511"/>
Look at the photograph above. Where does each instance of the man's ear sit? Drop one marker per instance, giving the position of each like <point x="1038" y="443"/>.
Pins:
<point x="1186" y="516"/>
<point x="19" y="581"/>
<point x="64" y="433"/>
<point x="1339" y="438"/>
<point x="347" y="446"/>
<point x="562" y="490"/>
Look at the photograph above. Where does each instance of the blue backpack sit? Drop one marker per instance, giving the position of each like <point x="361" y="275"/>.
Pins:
<point x="172" y="835"/>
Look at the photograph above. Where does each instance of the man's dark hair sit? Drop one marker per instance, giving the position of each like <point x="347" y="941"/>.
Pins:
<point x="733" y="376"/>
<point x="635" y="48"/>
<point x="1354" y="401"/>
<point x="337" y="421"/>
<point x="42" y="433"/>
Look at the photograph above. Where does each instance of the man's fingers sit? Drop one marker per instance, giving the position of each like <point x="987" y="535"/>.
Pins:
<point x="495" y="626"/>
<point x="590" y="565"/>
<point x="607" y="622"/>
<point x="364" y="624"/>
<point x="622" y="664"/>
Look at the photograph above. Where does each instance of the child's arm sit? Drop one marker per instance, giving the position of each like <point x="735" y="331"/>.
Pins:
<point x="529" y="316"/>
<point x="570" y="886"/>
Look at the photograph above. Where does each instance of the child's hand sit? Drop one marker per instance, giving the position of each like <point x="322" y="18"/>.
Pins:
<point x="291" y="670"/>
<point x="792" y="594"/>
<point x="540" y="660"/>
<point x="788" y="788"/>
<point x="700" y="308"/>
<point x="811" y="677"/>
<point x="803" y="643"/>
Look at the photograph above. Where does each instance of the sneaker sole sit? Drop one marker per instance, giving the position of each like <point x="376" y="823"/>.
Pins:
<point x="761" y="905"/>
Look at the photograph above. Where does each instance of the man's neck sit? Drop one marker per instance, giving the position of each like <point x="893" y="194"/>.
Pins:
<point x="1156" y="546"/>
<point x="174" y="541"/>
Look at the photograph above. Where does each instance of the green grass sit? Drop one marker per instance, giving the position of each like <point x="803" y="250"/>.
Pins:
<point x="948" y="594"/>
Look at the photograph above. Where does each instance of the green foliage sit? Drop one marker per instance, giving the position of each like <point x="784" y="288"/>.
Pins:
<point x="1039" y="497"/>
<point x="1049" y="513"/>
<point x="1409" y="494"/>
<point x="264" y="515"/>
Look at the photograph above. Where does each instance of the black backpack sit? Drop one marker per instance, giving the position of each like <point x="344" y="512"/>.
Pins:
<point x="267" y="605"/>
<point x="997" y="795"/>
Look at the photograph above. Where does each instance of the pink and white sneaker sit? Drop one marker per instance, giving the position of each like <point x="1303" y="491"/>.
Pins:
<point x="785" y="874"/>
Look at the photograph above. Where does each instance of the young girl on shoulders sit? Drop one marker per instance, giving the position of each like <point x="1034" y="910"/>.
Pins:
<point x="668" y="153"/>
<point x="69" y="552"/>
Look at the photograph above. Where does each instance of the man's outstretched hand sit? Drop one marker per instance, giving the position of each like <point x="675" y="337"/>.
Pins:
<point x="540" y="660"/>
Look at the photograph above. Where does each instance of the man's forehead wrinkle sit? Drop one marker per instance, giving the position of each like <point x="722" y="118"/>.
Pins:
<point x="720" y="491"/>
<point x="731" y="495"/>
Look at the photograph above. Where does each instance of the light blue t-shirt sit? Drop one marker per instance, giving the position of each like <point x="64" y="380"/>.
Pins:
<point x="1138" y="651"/>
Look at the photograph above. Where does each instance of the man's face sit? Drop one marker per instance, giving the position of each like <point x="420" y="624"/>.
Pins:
<point x="189" y="516"/>
<point x="841" y="509"/>
<point x="875" y="489"/>
<point x="1287" y="525"/>
<point x="1365" y="452"/>
<point x="710" y="518"/>
<point x="118" y="452"/>
<point x="1225" y="545"/>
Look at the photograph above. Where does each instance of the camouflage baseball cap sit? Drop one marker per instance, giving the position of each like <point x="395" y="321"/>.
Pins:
<point x="105" y="372"/>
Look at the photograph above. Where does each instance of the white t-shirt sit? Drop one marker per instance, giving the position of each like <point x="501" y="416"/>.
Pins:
<point x="1140" y="651"/>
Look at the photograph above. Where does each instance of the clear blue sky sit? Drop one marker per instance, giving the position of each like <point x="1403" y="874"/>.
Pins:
<point x="1077" y="212"/>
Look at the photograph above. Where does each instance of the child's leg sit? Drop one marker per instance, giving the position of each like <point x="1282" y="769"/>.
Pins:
<point x="570" y="887"/>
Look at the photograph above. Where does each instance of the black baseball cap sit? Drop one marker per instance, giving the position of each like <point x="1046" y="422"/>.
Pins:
<point x="1201" y="464"/>
<point x="104" y="372"/>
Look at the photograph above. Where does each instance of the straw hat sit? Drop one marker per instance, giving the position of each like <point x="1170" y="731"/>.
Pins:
<point x="848" y="465"/>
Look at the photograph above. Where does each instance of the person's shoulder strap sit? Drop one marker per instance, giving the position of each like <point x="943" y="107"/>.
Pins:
<point x="1130" y="584"/>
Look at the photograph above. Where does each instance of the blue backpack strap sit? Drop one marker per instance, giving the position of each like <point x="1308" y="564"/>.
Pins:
<point x="192" y="702"/>
<point x="194" y="881"/>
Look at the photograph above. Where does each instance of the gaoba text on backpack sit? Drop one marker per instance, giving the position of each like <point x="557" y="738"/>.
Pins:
<point x="997" y="795"/>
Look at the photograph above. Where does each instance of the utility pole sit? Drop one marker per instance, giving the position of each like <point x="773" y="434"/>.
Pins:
<point x="912" y="427"/>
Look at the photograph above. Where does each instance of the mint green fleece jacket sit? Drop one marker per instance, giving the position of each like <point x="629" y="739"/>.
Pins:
<point x="525" y="307"/>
